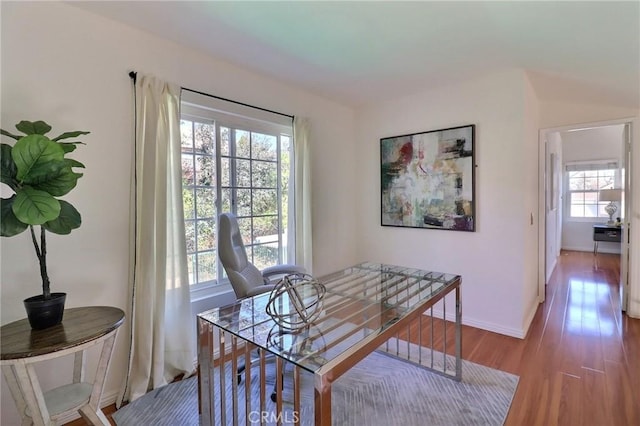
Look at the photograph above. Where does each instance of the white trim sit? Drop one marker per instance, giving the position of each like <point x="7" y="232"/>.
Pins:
<point x="632" y="195"/>
<point x="601" y="249"/>
<point x="484" y="325"/>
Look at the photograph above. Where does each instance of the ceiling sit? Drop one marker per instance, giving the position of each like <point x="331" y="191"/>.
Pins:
<point x="363" y="52"/>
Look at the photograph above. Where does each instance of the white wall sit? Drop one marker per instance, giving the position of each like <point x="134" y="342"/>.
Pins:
<point x="490" y="260"/>
<point x="602" y="143"/>
<point x="69" y="68"/>
<point x="530" y="193"/>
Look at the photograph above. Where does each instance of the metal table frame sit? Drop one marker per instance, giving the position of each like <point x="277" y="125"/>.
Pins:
<point x="404" y="299"/>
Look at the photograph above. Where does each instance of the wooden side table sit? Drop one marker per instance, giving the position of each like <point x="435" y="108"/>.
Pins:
<point x="80" y="329"/>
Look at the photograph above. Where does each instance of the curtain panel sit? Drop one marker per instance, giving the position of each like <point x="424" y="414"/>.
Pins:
<point x="302" y="189"/>
<point x="162" y="328"/>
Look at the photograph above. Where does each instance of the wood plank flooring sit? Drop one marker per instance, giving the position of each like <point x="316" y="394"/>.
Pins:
<point x="580" y="362"/>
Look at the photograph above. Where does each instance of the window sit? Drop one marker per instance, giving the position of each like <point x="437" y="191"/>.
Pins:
<point x="584" y="181"/>
<point x="239" y="165"/>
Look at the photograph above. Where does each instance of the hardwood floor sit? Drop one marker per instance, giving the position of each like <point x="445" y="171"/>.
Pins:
<point x="580" y="362"/>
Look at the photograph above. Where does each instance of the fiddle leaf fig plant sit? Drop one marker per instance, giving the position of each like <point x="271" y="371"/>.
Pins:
<point x="37" y="170"/>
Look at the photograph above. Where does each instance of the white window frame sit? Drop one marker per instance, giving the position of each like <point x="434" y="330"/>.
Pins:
<point x="198" y="108"/>
<point x="576" y="166"/>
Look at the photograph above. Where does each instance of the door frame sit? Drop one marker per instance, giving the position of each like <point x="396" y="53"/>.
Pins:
<point x="633" y="269"/>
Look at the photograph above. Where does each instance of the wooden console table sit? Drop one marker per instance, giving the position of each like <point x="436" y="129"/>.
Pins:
<point x="80" y="329"/>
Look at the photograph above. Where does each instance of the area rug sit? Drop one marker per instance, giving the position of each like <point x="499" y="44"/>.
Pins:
<point x="379" y="391"/>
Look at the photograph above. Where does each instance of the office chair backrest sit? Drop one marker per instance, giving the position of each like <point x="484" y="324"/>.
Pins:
<point x="243" y="275"/>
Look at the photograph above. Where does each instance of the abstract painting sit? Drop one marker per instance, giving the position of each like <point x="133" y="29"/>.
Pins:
<point x="427" y="179"/>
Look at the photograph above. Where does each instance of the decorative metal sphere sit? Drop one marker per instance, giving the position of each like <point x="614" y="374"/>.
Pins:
<point x="296" y="301"/>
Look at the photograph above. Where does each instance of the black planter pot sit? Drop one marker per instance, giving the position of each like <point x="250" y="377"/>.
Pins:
<point x="44" y="313"/>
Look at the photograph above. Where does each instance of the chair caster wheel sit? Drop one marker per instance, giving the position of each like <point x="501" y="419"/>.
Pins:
<point x="274" y="397"/>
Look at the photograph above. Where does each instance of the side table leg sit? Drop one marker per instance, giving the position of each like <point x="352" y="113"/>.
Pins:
<point x="32" y="393"/>
<point x="91" y="410"/>
<point x="12" y="382"/>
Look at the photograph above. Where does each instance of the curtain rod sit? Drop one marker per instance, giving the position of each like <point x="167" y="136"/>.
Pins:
<point x="134" y="75"/>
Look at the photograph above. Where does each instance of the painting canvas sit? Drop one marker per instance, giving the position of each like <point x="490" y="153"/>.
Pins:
<point x="427" y="179"/>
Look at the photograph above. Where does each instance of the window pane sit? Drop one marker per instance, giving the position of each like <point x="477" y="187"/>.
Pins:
<point x="242" y="144"/>
<point x="206" y="235"/>
<point x="190" y="234"/>
<point x="188" y="172"/>
<point x="226" y="200"/>
<point x="601" y="211"/>
<point x="205" y="138"/>
<point x="265" y="229"/>
<point x="591" y="183"/>
<point x="243" y="173"/>
<point x="245" y="230"/>
<point x="225" y="171"/>
<point x="187" y="203"/>
<point x="265" y="201"/>
<point x="577" y="210"/>
<point x="576" y="184"/>
<point x="244" y="202"/>
<point x="265" y="255"/>
<point x="590" y="210"/>
<point x="205" y="170"/>
<point x="264" y="147"/>
<point x="265" y="174"/>
<point x="207" y="266"/>
<point x="186" y="135"/>
<point x="206" y="202"/>
<point x="606" y="182"/>
<point x="577" y="198"/>
<point x="224" y="141"/>
<point x="590" y="197"/>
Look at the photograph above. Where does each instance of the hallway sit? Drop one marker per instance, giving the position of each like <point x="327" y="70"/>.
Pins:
<point x="580" y="362"/>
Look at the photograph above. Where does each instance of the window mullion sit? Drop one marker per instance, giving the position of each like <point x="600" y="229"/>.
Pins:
<point x="279" y="196"/>
<point x="218" y="207"/>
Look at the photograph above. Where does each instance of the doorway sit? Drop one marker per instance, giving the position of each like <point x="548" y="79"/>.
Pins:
<point x="555" y="208"/>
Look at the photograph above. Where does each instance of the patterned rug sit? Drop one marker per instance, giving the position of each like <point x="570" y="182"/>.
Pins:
<point x="379" y="391"/>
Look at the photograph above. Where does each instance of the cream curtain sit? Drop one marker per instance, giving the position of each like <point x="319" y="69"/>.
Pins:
<point x="162" y="329"/>
<point x="302" y="188"/>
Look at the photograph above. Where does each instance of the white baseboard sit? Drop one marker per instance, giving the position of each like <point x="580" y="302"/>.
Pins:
<point x="551" y="268"/>
<point x="601" y="249"/>
<point x="484" y="325"/>
<point x="529" y="319"/>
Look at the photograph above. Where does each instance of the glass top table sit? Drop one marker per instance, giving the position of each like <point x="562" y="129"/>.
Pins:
<point x="364" y="308"/>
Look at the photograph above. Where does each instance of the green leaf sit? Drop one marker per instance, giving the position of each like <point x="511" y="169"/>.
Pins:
<point x="33" y="152"/>
<point x="73" y="163"/>
<point x="67" y="135"/>
<point x="33" y="127"/>
<point x="68" y="146"/>
<point x="35" y="207"/>
<point x="9" y="223"/>
<point x="60" y="183"/>
<point x="68" y="220"/>
<point x="8" y="167"/>
<point x="11" y="135"/>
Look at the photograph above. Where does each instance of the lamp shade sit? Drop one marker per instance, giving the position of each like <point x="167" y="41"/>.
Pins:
<point x="610" y="194"/>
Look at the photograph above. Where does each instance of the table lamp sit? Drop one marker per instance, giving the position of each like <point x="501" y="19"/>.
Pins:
<point x="613" y="196"/>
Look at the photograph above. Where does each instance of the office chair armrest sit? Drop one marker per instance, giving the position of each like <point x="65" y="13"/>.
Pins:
<point x="260" y="289"/>
<point x="282" y="270"/>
